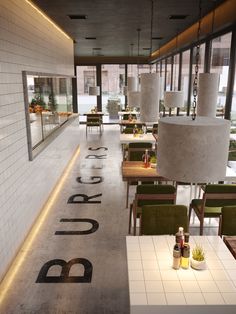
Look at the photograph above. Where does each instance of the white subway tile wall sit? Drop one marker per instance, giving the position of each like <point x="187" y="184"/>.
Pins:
<point x="28" y="42"/>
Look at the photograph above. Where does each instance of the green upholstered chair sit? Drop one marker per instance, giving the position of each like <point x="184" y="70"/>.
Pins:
<point x="136" y="150"/>
<point x="94" y="120"/>
<point x="150" y="194"/>
<point x="227" y="224"/>
<point x="126" y="116"/>
<point x="163" y="219"/>
<point x="215" y="196"/>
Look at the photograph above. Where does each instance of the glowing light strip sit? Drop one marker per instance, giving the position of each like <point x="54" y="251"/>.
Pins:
<point x="18" y="261"/>
<point x="47" y="18"/>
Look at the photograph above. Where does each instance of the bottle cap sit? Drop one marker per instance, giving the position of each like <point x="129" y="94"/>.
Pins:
<point x="181" y="230"/>
<point x="186" y="237"/>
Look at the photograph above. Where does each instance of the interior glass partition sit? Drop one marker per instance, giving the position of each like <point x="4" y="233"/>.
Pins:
<point x="48" y="105"/>
<point x="220" y="58"/>
<point x="86" y="77"/>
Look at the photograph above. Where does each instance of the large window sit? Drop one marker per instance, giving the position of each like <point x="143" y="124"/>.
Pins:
<point x="175" y="72"/>
<point x="113" y="82"/>
<point x="220" y="57"/>
<point x="86" y="77"/>
<point x="168" y="74"/>
<point x="185" y="78"/>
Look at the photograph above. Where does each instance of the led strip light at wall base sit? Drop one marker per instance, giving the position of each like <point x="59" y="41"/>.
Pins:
<point x="21" y="256"/>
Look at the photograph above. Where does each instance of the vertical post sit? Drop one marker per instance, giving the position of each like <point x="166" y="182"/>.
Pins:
<point x="231" y="77"/>
<point x="99" y="83"/>
<point x="180" y="75"/>
<point x="74" y="93"/>
<point x="126" y="82"/>
<point x="207" y="59"/>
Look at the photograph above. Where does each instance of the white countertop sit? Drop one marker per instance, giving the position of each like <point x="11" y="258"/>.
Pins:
<point x="154" y="286"/>
<point x="130" y="138"/>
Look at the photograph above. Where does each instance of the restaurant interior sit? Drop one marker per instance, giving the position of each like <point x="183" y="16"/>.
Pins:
<point x="125" y="138"/>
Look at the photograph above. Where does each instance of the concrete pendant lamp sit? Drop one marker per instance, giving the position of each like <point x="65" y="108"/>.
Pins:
<point x="207" y="94"/>
<point x="173" y="99"/>
<point x="134" y="98"/>
<point x="149" y="107"/>
<point x="193" y="149"/>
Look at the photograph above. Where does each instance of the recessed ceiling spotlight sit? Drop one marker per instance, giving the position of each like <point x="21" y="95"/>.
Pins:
<point x="90" y="38"/>
<point x="146" y="48"/>
<point x="78" y="16"/>
<point x="97" y="48"/>
<point x="157" y="38"/>
<point x="177" y="16"/>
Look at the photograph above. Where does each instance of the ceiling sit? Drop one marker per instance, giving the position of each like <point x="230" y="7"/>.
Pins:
<point x="114" y="23"/>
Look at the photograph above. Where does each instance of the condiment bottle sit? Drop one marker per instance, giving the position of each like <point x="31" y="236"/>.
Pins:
<point x="146" y="159"/>
<point x="185" y="256"/>
<point x="176" y="256"/>
<point x="179" y="237"/>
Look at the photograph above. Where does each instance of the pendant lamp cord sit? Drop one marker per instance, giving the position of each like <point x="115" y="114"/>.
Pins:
<point x="151" y="32"/>
<point x="195" y="81"/>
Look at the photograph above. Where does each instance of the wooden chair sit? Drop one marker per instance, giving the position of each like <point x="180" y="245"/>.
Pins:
<point x="215" y="196"/>
<point x="150" y="194"/>
<point x="163" y="219"/>
<point x="94" y="120"/>
<point x="227" y="224"/>
<point x="227" y="227"/>
<point x="136" y="150"/>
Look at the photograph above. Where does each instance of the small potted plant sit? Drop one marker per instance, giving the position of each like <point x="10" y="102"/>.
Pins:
<point x="198" y="260"/>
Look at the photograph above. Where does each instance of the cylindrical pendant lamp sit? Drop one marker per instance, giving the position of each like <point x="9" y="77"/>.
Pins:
<point x="132" y="84"/>
<point x="94" y="90"/>
<point x="173" y="99"/>
<point x="207" y="94"/>
<point x="134" y="99"/>
<point x="193" y="151"/>
<point x="150" y="87"/>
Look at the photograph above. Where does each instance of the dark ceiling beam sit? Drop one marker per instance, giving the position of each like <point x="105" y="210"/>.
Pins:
<point x="111" y="60"/>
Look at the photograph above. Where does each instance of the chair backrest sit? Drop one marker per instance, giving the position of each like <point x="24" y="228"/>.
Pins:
<point x="154" y="194"/>
<point x="228" y="221"/>
<point x="136" y="150"/>
<point x="126" y="116"/>
<point x="155" y="128"/>
<point x="218" y="195"/>
<point x="94" y="119"/>
<point x="163" y="219"/>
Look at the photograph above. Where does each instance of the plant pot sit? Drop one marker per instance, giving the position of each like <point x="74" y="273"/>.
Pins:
<point x="199" y="265"/>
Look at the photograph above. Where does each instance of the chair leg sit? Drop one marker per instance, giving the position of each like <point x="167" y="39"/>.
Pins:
<point x="130" y="216"/>
<point x="135" y="220"/>
<point x="127" y="195"/>
<point x="189" y="212"/>
<point x="201" y="225"/>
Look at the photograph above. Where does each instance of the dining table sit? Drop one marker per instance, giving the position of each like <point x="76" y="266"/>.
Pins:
<point x="127" y="123"/>
<point x="135" y="171"/>
<point x="155" y="287"/>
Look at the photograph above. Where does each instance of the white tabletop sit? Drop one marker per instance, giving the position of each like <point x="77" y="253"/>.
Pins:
<point x="121" y="113"/>
<point x="130" y="138"/>
<point x="154" y="286"/>
<point x="230" y="175"/>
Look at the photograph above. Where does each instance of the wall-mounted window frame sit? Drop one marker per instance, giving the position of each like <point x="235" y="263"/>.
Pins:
<point x="48" y="100"/>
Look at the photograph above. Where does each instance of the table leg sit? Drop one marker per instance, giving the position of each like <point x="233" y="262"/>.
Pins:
<point x="127" y="195"/>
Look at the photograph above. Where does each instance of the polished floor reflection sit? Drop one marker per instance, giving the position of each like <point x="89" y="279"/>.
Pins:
<point x="77" y="262"/>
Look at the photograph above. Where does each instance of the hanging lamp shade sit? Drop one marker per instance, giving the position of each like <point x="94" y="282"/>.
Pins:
<point x="132" y="84"/>
<point x="173" y="99"/>
<point x="207" y="94"/>
<point x="94" y="90"/>
<point x="149" y="106"/>
<point x="162" y="84"/>
<point x="134" y="99"/>
<point x="193" y="151"/>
